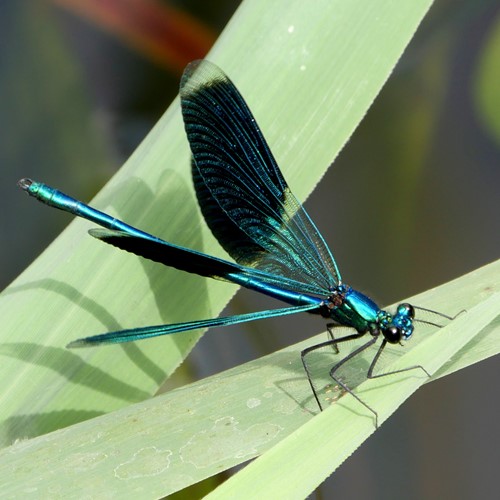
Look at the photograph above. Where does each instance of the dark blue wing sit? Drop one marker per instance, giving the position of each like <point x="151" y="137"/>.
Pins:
<point x="147" y="332"/>
<point x="191" y="261"/>
<point x="242" y="194"/>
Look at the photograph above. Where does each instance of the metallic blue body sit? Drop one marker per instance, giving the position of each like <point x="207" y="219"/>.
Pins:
<point x="250" y="279"/>
<point x="55" y="198"/>
<point x="251" y="211"/>
<point x="363" y="305"/>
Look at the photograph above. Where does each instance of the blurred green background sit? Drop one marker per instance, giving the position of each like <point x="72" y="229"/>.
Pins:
<point x="411" y="202"/>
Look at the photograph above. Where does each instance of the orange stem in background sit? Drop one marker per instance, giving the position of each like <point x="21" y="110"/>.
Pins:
<point x="165" y="35"/>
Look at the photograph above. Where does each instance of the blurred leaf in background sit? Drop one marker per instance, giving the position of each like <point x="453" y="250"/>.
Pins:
<point x="486" y="77"/>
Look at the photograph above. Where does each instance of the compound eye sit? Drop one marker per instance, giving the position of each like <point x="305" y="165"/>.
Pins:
<point x="393" y="334"/>
<point x="407" y="309"/>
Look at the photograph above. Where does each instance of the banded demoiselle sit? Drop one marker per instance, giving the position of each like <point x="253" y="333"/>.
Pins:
<point x="250" y="209"/>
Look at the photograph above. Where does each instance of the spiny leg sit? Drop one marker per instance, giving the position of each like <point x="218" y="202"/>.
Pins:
<point x="343" y="385"/>
<point x="370" y="374"/>
<point x="331" y="342"/>
<point x="402" y="370"/>
<point x="437" y="313"/>
<point x="329" y="329"/>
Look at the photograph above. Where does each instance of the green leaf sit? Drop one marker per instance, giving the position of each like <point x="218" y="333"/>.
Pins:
<point x="164" y="444"/>
<point x="485" y="89"/>
<point x="309" y="455"/>
<point x="309" y="78"/>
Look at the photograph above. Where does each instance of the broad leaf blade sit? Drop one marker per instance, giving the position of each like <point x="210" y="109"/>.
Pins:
<point x="169" y="442"/>
<point x="309" y="79"/>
